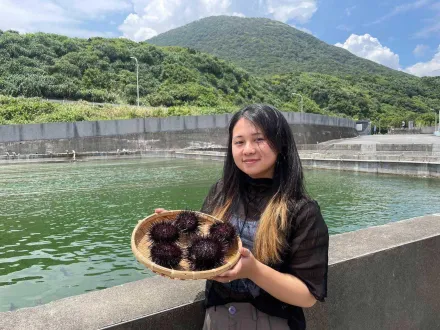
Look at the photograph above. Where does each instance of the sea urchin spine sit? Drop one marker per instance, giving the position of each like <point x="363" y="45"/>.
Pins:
<point x="166" y="254"/>
<point x="187" y="222"/>
<point x="205" y="253"/>
<point x="223" y="231"/>
<point x="164" y="231"/>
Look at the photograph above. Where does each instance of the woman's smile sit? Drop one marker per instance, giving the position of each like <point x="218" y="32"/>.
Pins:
<point x="250" y="161"/>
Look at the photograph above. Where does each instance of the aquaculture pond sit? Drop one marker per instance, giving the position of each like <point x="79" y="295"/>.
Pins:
<point x="65" y="228"/>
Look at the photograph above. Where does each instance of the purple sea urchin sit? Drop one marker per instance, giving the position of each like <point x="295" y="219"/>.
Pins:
<point x="166" y="254"/>
<point x="187" y="222"/>
<point x="164" y="232"/>
<point x="223" y="231"/>
<point x="205" y="253"/>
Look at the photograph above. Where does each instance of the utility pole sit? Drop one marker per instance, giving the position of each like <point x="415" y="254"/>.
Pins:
<point x="302" y="104"/>
<point x="137" y="77"/>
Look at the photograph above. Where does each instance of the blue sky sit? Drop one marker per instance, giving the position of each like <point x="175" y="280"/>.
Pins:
<point x="404" y="35"/>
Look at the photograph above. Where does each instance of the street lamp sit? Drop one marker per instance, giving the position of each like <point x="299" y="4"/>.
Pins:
<point x="293" y="94"/>
<point x="438" y="122"/>
<point x="137" y="77"/>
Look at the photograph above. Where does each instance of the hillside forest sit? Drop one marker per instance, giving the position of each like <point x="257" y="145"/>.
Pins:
<point x="182" y="81"/>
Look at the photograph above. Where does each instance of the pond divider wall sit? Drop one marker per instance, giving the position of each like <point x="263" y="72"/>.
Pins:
<point x="183" y="132"/>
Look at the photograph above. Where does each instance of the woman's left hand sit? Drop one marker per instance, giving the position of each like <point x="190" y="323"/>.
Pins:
<point x="244" y="268"/>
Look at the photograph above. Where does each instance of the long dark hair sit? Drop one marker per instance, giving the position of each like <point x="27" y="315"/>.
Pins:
<point x="287" y="180"/>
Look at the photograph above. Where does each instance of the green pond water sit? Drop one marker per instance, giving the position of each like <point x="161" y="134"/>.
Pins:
<point x="65" y="228"/>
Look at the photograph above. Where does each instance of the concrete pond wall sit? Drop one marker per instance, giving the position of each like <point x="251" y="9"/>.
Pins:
<point x="384" y="277"/>
<point x="186" y="132"/>
<point x="397" y="167"/>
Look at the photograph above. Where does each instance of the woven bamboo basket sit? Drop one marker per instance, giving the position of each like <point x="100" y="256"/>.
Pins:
<point x="140" y="245"/>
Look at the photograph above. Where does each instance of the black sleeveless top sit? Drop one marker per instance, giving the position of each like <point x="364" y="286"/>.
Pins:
<point x="306" y="256"/>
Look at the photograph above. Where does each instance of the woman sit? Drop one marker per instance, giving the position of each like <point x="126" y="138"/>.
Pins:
<point x="261" y="193"/>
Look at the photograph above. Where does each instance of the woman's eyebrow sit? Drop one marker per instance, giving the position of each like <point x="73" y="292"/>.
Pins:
<point x="240" y="136"/>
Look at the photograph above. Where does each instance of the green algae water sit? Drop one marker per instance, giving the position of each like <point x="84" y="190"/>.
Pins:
<point x="65" y="228"/>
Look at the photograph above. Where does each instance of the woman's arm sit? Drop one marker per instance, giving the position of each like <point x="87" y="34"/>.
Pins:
<point x="284" y="287"/>
<point x="304" y="278"/>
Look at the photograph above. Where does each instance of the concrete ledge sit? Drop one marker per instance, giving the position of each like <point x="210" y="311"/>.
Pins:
<point x="423" y="169"/>
<point x="207" y="138"/>
<point x="84" y="129"/>
<point x="373" y="148"/>
<point x="384" y="277"/>
<point x="102" y="308"/>
<point x="104" y="156"/>
<point x="144" y="134"/>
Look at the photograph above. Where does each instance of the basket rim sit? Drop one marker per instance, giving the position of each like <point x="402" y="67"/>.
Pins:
<point x="181" y="274"/>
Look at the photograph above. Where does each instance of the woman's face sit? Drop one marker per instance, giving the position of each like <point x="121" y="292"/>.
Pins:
<point x="251" y="150"/>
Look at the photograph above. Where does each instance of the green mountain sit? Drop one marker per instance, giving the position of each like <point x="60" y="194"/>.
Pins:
<point x="266" y="47"/>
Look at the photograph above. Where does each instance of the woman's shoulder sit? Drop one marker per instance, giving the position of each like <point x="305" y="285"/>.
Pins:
<point x="297" y="206"/>
<point x="306" y="210"/>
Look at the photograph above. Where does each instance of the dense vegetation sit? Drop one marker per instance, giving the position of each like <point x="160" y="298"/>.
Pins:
<point x="182" y="81"/>
<point x="267" y="47"/>
<point x="378" y="98"/>
<point x="102" y="70"/>
<point x="36" y="110"/>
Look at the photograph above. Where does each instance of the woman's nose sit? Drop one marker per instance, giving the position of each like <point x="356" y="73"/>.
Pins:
<point x="249" y="149"/>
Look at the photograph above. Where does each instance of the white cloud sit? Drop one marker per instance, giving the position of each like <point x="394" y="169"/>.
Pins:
<point x="285" y="10"/>
<point x="134" y="27"/>
<point x="420" y="50"/>
<point x="344" y="27"/>
<point x="143" y="18"/>
<point x="431" y="25"/>
<point x="402" y="9"/>
<point x="430" y="68"/>
<point x="370" y="48"/>
<point x="151" y="17"/>
<point x="26" y="15"/>
<point x="349" y="10"/>
<point x="238" y="14"/>
<point x="428" y="30"/>
<point x="62" y="16"/>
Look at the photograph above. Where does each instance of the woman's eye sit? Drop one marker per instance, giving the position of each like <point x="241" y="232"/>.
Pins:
<point x="260" y="139"/>
<point x="238" y="143"/>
